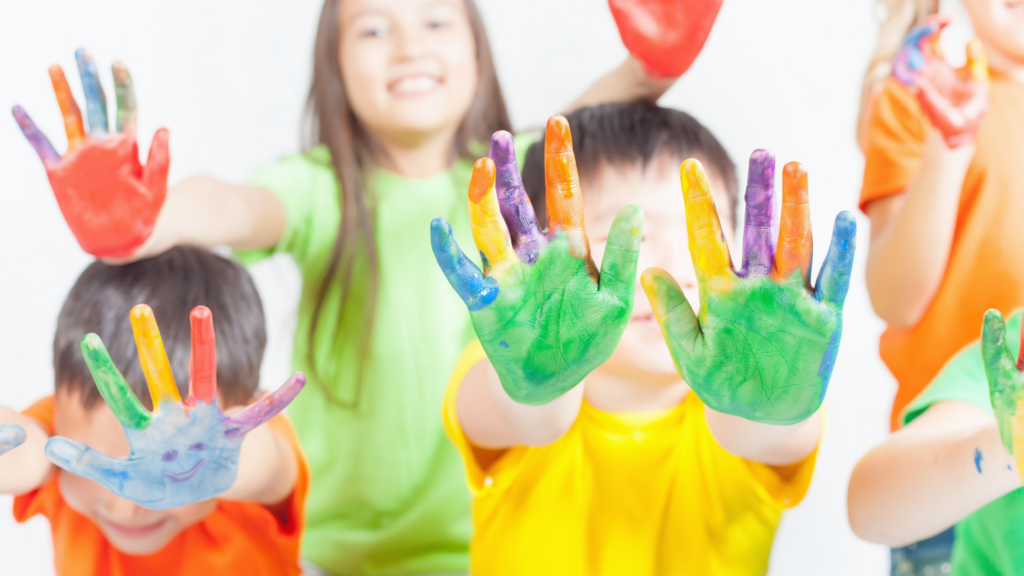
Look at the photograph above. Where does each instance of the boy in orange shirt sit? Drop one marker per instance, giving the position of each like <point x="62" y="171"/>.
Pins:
<point x="254" y="527"/>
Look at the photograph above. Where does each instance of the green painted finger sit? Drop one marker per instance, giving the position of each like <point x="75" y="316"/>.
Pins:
<point x="1002" y="374"/>
<point x="112" y="385"/>
<point x="621" y="253"/>
<point x="671" y="308"/>
<point x="125" y="91"/>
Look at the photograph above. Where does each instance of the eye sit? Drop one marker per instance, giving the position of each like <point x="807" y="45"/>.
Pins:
<point x="170" y="456"/>
<point x="197" y="446"/>
<point x="437" y="24"/>
<point x="374" y="32"/>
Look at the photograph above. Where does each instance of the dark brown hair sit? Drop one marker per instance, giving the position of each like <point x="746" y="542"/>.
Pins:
<point x="625" y="134"/>
<point x="353" y="150"/>
<point x="171" y="284"/>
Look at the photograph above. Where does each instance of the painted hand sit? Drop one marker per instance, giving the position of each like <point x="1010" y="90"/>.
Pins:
<point x="764" y="342"/>
<point x="1005" y="378"/>
<point x="955" y="100"/>
<point x="543" y="313"/>
<point x="665" y="35"/>
<point x="182" y="452"/>
<point x="11" y="436"/>
<point x="109" y="200"/>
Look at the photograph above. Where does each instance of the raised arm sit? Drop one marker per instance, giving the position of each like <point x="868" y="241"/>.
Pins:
<point x="23" y="465"/>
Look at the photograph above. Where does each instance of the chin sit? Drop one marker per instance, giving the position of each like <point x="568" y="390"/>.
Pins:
<point x="141" y="546"/>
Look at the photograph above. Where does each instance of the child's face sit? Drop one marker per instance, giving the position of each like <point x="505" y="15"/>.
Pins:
<point x="409" y="66"/>
<point x="642" y="354"/>
<point x="131" y="528"/>
<point x="1000" y="25"/>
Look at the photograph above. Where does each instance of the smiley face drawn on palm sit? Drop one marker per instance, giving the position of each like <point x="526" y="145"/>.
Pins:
<point x="182" y="452"/>
<point x="764" y="342"/>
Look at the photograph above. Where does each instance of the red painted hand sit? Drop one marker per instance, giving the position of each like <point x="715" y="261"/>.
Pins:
<point x="665" y="35"/>
<point x="109" y="200"/>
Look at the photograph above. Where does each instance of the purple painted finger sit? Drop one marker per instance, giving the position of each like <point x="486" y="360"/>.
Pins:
<point x="36" y="138"/>
<point x="758" y="230"/>
<point x="265" y="408"/>
<point x="516" y="208"/>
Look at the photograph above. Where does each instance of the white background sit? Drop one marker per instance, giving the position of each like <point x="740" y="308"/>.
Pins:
<point x="230" y="82"/>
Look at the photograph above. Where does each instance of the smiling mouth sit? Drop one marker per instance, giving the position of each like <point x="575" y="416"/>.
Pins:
<point x="186" y="474"/>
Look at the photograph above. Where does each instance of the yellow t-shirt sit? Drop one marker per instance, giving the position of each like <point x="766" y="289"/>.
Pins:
<point x="619" y="495"/>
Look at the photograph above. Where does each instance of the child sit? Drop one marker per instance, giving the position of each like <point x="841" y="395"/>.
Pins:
<point x="630" y="473"/>
<point x="254" y="527"/>
<point x="401" y="92"/>
<point x="953" y="461"/>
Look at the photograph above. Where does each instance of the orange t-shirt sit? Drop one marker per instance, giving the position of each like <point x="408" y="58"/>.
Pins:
<point x="984" y="269"/>
<point x="236" y="538"/>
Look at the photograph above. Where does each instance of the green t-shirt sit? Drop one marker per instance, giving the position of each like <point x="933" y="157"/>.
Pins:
<point x="991" y="540"/>
<point x="388" y="492"/>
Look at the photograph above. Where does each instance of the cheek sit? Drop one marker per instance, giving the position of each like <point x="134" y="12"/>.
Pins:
<point x="82" y="495"/>
<point x="364" y="68"/>
<point x="461" y="71"/>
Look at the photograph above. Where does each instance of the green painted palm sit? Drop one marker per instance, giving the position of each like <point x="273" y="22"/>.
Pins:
<point x="1005" y="378"/>
<point x="542" y="312"/>
<point x="763" y="344"/>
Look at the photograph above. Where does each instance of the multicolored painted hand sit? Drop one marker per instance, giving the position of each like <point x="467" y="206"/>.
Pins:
<point x="11" y="436"/>
<point x="543" y="313"/>
<point x="183" y="451"/>
<point x="665" y="35"/>
<point x="955" y="100"/>
<point x="1005" y="373"/>
<point x="764" y="342"/>
<point x="109" y="200"/>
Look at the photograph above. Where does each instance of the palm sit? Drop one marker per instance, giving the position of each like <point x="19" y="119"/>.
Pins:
<point x="1005" y="378"/>
<point x="11" y="436"/>
<point x="108" y="198"/>
<point x="666" y="35"/>
<point x="762" y="345"/>
<point x="183" y="452"/>
<point x="543" y="314"/>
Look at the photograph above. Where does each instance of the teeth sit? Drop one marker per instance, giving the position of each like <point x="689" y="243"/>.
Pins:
<point x="414" y="84"/>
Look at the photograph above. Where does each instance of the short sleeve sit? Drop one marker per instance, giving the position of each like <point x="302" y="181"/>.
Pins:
<point x="894" y="142"/>
<point x="308" y="189"/>
<point x="46" y="499"/>
<point x="962" y="379"/>
<point x="282" y="427"/>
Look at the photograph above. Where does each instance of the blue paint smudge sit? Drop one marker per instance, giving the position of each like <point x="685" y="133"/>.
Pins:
<point x="977" y="459"/>
<point x="503" y="344"/>
<point x="829" y="361"/>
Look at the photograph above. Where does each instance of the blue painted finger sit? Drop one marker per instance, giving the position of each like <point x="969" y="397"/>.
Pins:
<point x="11" y="436"/>
<point x="95" y="99"/>
<point x="834" y="278"/>
<point x="468" y="281"/>
<point x="36" y="138"/>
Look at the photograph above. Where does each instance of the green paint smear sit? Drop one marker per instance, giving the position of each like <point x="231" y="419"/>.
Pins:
<point x="999" y="344"/>
<point x="761" y="349"/>
<point x="552" y="324"/>
<point x="112" y="385"/>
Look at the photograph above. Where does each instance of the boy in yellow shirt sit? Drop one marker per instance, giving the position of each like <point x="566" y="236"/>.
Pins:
<point x="630" y="473"/>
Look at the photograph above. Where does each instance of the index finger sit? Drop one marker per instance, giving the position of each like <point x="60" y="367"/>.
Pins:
<point x="708" y="248"/>
<point x="68" y="108"/>
<point x="153" y="357"/>
<point x="203" y="367"/>
<point x="562" y="182"/>
<point x="112" y="385"/>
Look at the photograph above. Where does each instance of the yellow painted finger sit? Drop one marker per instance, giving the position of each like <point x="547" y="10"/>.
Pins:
<point x="153" y="357"/>
<point x="977" y="61"/>
<point x="708" y="248"/>
<point x="489" y="229"/>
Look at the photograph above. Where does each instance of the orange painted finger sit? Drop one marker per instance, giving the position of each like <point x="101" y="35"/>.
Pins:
<point x="562" y="180"/>
<point x="977" y="61"/>
<point x="203" y="367"/>
<point x="489" y="229"/>
<point x="793" y="252"/>
<point x="708" y="248"/>
<point x="153" y="357"/>
<point x="68" y="108"/>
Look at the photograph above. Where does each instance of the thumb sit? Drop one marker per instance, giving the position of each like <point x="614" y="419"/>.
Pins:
<point x="621" y="253"/>
<point x="675" y="316"/>
<point x="977" y="61"/>
<point x="154" y="175"/>
<point x="83" y="461"/>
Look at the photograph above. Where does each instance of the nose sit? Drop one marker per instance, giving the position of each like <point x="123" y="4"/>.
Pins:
<point x="410" y="40"/>
<point x="119" y="510"/>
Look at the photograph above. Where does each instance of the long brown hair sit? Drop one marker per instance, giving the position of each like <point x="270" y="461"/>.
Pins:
<point x="354" y="152"/>
<point x="900" y="17"/>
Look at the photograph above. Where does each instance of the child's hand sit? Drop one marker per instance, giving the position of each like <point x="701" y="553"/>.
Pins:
<point x="109" y="200"/>
<point x="665" y="35"/>
<point x="1005" y="379"/>
<point x="546" y="318"/>
<point x="11" y="436"/>
<point x="955" y="100"/>
<point x="182" y="452"/>
<point x="764" y="343"/>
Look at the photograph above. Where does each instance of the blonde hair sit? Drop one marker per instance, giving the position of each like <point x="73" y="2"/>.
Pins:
<point x="900" y="17"/>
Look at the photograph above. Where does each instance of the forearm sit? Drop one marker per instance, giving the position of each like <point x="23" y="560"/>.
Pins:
<point x="491" y="419"/>
<point x="24" y="468"/>
<point x="919" y="484"/>
<point x="910" y="246"/>
<point x="628" y="82"/>
<point x="267" y="469"/>
<point x="764" y="443"/>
